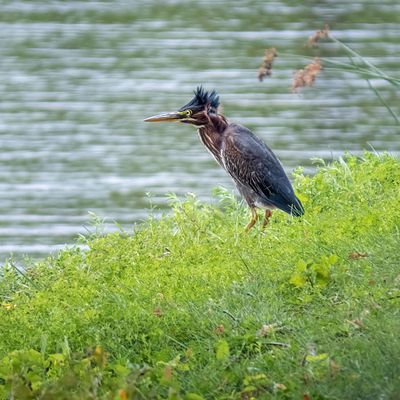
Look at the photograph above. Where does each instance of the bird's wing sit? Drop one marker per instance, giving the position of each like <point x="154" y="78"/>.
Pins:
<point x="253" y="164"/>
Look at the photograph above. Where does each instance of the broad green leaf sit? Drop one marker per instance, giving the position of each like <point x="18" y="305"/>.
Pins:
<point x="298" y="280"/>
<point x="193" y="396"/>
<point x="317" y="357"/>
<point x="222" y="350"/>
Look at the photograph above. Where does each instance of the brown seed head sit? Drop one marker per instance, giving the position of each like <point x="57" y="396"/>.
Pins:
<point x="306" y="77"/>
<point x="219" y="330"/>
<point x="317" y="36"/>
<point x="266" y="67"/>
<point x="157" y="312"/>
<point x="355" y="255"/>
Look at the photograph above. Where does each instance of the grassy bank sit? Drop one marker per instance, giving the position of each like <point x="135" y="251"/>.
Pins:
<point x="190" y="307"/>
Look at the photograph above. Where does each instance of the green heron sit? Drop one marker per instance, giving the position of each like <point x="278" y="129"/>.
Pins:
<point x="256" y="171"/>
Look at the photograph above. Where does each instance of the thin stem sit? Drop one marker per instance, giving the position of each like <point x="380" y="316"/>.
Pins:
<point x="383" y="101"/>
<point x="23" y="274"/>
<point x="353" y="68"/>
<point x="355" y="54"/>
<point x="366" y="74"/>
<point x="230" y="315"/>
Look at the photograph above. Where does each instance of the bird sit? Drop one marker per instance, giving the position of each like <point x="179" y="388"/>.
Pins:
<point x="254" y="168"/>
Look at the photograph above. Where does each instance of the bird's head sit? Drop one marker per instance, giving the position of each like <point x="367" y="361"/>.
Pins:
<point x="196" y="112"/>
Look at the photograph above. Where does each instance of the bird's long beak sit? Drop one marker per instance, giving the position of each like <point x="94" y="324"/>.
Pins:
<point x="173" y="116"/>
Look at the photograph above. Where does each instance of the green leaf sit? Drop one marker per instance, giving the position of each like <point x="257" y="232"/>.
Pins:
<point x="298" y="280"/>
<point x="333" y="258"/>
<point x="193" y="396"/>
<point x="222" y="350"/>
<point x="317" y="357"/>
<point x="301" y="266"/>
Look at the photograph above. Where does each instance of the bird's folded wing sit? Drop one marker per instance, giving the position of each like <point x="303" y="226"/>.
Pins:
<point x="250" y="162"/>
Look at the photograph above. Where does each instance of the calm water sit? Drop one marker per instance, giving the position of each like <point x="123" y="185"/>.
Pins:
<point x="77" y="79"/>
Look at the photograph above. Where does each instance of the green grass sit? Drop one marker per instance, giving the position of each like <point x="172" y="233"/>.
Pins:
<point x="190" y="307"/>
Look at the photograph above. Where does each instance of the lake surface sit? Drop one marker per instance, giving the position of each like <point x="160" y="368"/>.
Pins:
<point x="77" y="79"/>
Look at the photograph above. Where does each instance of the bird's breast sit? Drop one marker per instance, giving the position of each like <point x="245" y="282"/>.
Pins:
<point x="211" y="143"/>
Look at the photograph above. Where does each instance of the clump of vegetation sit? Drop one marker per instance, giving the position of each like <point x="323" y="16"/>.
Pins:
<point x="190" y="307"/>
<point x="356" y="64"/>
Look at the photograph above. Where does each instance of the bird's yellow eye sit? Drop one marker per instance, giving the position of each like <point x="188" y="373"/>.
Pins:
<point x="188" y="113"/>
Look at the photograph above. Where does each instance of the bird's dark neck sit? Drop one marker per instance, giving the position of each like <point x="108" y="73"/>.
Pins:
<point x="211" y="135"/>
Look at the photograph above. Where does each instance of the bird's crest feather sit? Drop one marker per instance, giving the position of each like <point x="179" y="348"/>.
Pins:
<point x="202" y="98"/>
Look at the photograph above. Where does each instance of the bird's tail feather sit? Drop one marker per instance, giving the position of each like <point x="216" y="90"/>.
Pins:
<point x="292" y="207"/>
<point x="297" y="208"/>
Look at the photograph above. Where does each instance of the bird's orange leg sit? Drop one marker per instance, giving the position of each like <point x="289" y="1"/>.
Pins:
<point x="267" y="216"/>
<point x="254" y="217"/>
